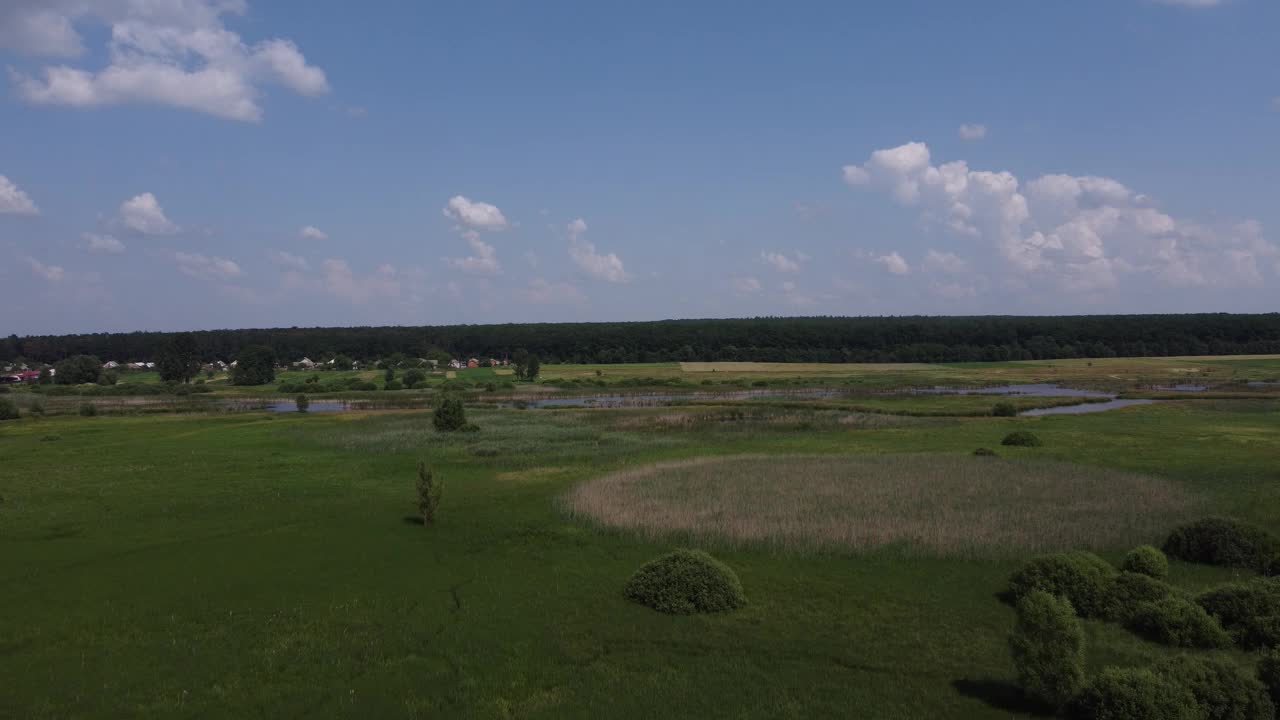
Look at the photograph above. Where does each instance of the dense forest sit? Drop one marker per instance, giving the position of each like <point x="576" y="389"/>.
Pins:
<point x="766" y="339"/>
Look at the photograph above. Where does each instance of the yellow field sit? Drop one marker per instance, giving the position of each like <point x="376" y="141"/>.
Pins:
<point x="799" y="368"/>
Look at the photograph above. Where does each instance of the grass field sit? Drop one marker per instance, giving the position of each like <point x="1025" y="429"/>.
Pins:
<point x="255" y="565"/>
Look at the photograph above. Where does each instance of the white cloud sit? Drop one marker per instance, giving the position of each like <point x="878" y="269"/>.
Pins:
<point x="794" y="296"/>
<point x="606" y="267"/>
<point x="972" y="131"/>
<point x="894" y="263"/>
<point x="746" y="285"/>
<point x="311" y="232"/>
<point x="52" y="273"/>
<point x="167" y="52"/>
<point x="474" y="215"/>
<point x="781" y="262"/>
<point x="14" y="201"/>
<point x="1081" y="233"/>
<point x="203" y="266"/>
<point x="954" y="291"/>
<point x="289" y="261"/>
<point x="144" y="215"/>
<point x="944" y="262"/>
<point x="102" y="243"/>
<point x="483" y="259"/>
<point x="338" y="280"/>
<point x="542" y="292"/>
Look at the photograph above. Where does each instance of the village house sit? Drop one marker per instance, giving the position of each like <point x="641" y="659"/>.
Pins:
<point x="305" y="363"/>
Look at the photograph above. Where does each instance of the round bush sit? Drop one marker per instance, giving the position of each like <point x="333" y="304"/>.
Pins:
<point x="1177" y="622"/>
<point x="393" y="385"/>
<point x="1004" y="409"/>
<point x="1222" y="541"/>
<point x="8" y="409"/>
<point x="1133" y="694"/>
<point x="1248" y="611"/>
<point x="1047" y="645"/>
<point x="1022" y="438"/>
<point x="985" y="452"/>
<point x="1220" y="690"/>
<point x="88" y="410"/>
<point x="1081" y="577"/>
<point x="1146" y="560"/>
<point x="1130" y="590"/>
<point x="686" y="582"/>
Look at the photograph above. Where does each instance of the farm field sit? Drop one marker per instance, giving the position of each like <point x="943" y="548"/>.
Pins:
<point x="268" y="565"/>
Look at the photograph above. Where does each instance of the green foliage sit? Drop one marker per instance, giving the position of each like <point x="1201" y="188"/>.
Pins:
<point x="1081" y="577"/>
<point x="1249" y="611"/>
<point x="1133" y="694"/>
<point x="1004" y="409"/>
<point x="1022" y="438"/>
<point x="1047" y="644"/>
<point x="88" y="410"/>
<point x="985" y="452"/>
<point x="449" y="416"/>
<point x="393" y="385"/>
<point x="1222" y="541"/>
<point x="1146" y="560"/>
<point x="108" y="377"/>
<point x="1177" y="622"/>
<point x="389" y="375"/>
<point x="685" y="582"/>
<point x="413" y="377"/>
<point x="469" y="428"/>
<point x="178" y="359"/>
<point x="429" y="490"/>
<point x="255" y="365"/>
<point x="8" y="409"/>
<point x="77" y="370"/>
<point x="1220" y="690"/>
<point x="1128" y="591"/>
<point x="302" y="402"/>
<point x="46" y="376"/>
<point x="36" y="406"/>
<point x="533" y="368"/>
<point x="342" y="362"/>
<point x="1269" y="674"/>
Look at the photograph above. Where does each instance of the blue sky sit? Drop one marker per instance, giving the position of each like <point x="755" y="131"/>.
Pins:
<point x="172" y="164"/>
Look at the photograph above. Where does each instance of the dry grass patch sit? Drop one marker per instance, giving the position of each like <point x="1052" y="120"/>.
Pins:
<point x="941" y="504"/>
<point x="536" y="473"/>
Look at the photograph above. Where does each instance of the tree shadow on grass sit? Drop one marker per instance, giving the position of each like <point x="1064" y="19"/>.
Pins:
<point x="412" y="520"/>
<point x="1001" y="695"/>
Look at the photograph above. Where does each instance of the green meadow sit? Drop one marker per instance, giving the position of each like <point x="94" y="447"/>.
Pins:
<point x="251" y="564"/>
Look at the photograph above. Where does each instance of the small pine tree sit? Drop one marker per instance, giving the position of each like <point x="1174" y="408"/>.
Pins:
<point x="429" y="492"/>
<point x="1048" y="648"/>
<point x="302" y="403"/>
<point x="450" y="415"/>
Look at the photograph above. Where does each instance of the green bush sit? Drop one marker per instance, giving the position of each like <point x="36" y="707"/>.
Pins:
<point x="8" y="409"/>
<point x="88" y="410"/>
<point x="985" y="452"/>
<point x="1248" y="611"/>
<point x="686" y="582"/>
<point x="413" y="377"/>
<point x="1146" y="560"/>
<point x="1047" y="644"/>
<point x="1222" y="541"/>
<point x="1022" y="438"/>
<point x="1220" y="690"/>
<point x="430" y="491"/>
<point x="469" y="428"/>
<point x="1133" y="694"/>
<point x="1269" y="674"/>
<point x="302" y="403"/>
<point x="393" y="385"/>
<point x="449" y="416"/>
<point x="1004" y="409"/>
<point x="1177" y="622"/>
<point x="1130" y="590"/>
<point x="1081" y="577"/>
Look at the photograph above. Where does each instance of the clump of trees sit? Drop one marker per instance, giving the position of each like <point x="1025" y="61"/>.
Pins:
<point x="1223" y="541"/>
<point x="8" y="409"/>
<point x="302" y="403"/>
<point x="429" y="490"/>
<point x="78" y="370"/>
<point x="1146" y="560"/>
<point x="527" y="366"/>
<point x="179" y="360"/>
<point x="449" y="415"/>
<point x="1004" y="409"/>
<point x="1047" y="644"/>
<point x="256" y="365"/>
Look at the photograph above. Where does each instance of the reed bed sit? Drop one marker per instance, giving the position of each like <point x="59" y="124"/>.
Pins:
<point x="933" y="504"/>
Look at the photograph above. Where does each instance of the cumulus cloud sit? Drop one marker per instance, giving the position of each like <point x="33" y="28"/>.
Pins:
<point x="474" y="215"/>
<point x="339" y="280"/>
<point x="209" y="268"/>
<point x="781" y="262"/>
<point x="746" y="285"/>
<point x="311" y="232"/>
<point x="542" y="292"/>
<point x="894" y="263"/>
<point x="288" y="261"/>
<point x="143" y="214"/>
<point x="606" y="267"/>
<point x="943" y="262"/>
<point x="483" y="259"/>
<point x="972" y="131"/>
<point x="51" y="273"/>
<point x="102" y="243"/>
<point x="177" y="53"/>
<point x="1080" y="233"/>
<point x="14" y="201"/>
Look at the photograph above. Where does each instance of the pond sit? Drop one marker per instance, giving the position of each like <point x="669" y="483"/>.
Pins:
<point x="1028" y="390"/>
<point x="1084" y="408"/>
<point x="655" y="399"/>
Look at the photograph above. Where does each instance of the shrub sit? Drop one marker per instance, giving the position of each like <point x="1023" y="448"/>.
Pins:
<point x="1004" y="409"/>
<point x="1248" y="611"/>
<point x="413" y="377"/>
<point x="985" y="452"/>
<point x="8" y="409"/>
<point x="1222" y="541"/>
<point x="686" y="582"/>
<point x="450" y="415"/>
<point x="1047" y="644"/>
<point x="255" y="365"/>
<point x="393" y="385"/>
<point x="1146" y="560"/>
<point x="1133" y="694"/>
<point x="302" y="403"/>
<point x="1269" y="674"/>
<point x="1129" y="590"/>
<point x="1178" y="622"/>
<point x="429" y="493"/>
<point x="88" y="410"/>
<point x="469" y="428"/>
<point x="78" y="369"/>
<point x="1081" y="577"/>
<point x="1220" y="690"/>
<point x="1022" y="438"/>
<point x="365" y="385"/>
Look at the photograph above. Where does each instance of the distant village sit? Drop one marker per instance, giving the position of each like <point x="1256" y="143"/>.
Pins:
<point x="24" y="373"/>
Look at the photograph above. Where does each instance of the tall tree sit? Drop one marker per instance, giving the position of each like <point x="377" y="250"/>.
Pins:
<point x="255" y="365"/>
<point x="78" y="370"/>
<point x="178" y="361"/>
<point x="532" y="369"/>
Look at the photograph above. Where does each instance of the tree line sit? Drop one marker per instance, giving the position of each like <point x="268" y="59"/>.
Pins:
<point x="762" y="339"/>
